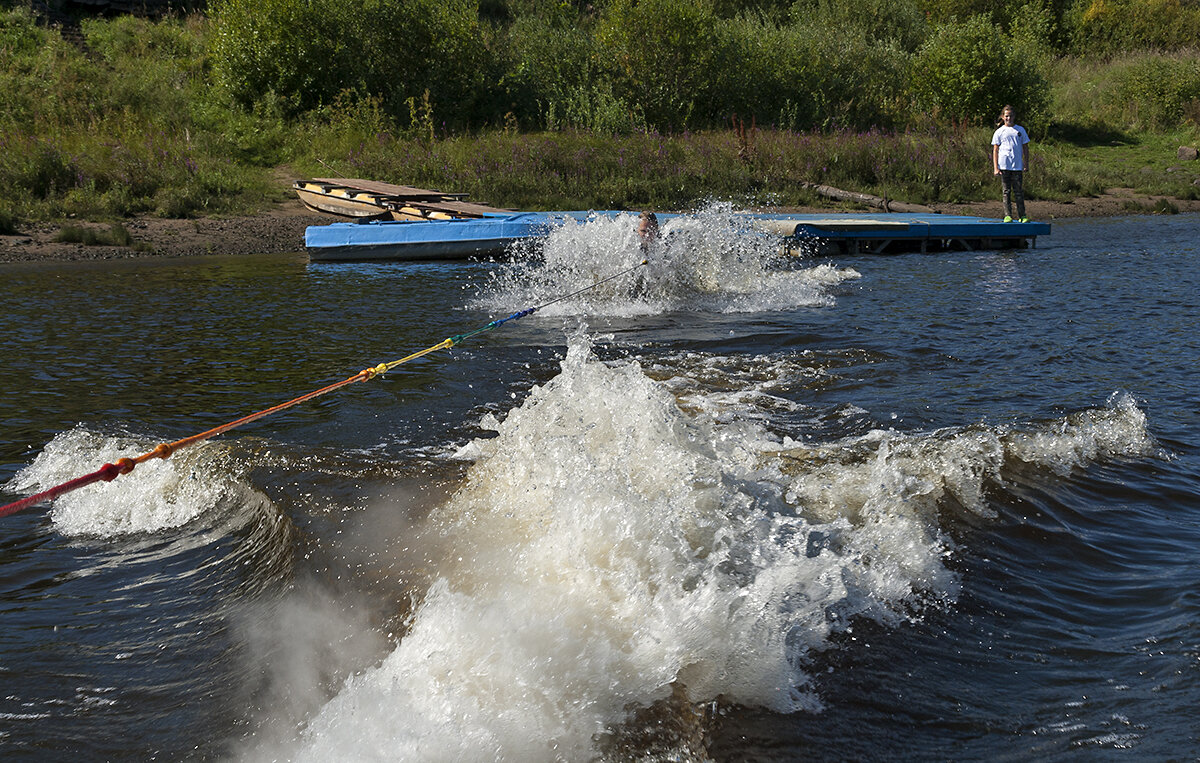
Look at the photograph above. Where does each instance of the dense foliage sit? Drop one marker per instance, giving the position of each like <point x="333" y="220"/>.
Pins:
<point x="1117" y="26"/>
<point x="967" y="69"/>
<point x="306" y="52"/>
<point x="663" y="100"/>
<point x="120" y="129"/>
<point x="618" y="65"/>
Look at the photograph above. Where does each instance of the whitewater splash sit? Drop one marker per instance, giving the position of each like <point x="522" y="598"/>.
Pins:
<point x="608" y="551"/>
<point x="710" y="261"/>
<point x="159" y="495"/>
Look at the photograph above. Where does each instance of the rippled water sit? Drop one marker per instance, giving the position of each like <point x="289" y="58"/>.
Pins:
<point x="911" y="507"/>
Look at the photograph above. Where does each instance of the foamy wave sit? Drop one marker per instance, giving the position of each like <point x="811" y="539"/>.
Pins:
<point x="157" y="495"/>
<point x="844" y="478"/>
<point x="728" y="387"/>
<point x="890" y="485"/>
<point x="711" y="261"/>
<point x="609" y="550"/>
<point x="1117" y="430"/>
<point x="605" y="547"/>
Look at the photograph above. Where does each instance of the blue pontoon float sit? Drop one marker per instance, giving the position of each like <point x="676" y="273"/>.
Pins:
<point x="456" y="239"/>
<point x="491" y="234"/>
<point x="893" y="233"/>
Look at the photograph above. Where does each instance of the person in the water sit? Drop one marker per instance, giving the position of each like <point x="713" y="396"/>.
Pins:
<point x="648" y="231"/>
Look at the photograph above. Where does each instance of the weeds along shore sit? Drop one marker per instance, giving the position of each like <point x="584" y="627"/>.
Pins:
<point x="534" y="105"/>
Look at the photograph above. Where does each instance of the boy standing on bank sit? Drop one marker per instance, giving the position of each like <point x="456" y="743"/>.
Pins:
<point x="1010" y="157"/>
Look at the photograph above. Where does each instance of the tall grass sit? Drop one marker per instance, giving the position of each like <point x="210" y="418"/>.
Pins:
<point x="576" y="169"/>
<point x="114" y="131"/>
<point x="1134" y="91"/>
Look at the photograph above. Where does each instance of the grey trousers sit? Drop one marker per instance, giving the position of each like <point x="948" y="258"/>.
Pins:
<point x="1013" y="192"/>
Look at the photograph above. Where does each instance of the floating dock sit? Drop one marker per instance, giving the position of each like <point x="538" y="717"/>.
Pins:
<point x="494" y="230"/>
<point x="892" y="233"/>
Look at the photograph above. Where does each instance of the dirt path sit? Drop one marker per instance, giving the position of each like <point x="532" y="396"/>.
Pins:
<point x="281" y="229"/>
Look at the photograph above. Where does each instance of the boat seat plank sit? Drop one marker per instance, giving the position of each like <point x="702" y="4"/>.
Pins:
<point x="388" y="189"/>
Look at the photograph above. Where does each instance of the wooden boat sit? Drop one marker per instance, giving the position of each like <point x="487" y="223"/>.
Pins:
<point x="337" y="199"/>
<point x="358" y="199"/>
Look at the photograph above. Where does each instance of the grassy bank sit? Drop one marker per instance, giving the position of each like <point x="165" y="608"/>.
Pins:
<point x="575" y="170"/>
<point x="580" y="170"/>
<point x="129" y="118"/>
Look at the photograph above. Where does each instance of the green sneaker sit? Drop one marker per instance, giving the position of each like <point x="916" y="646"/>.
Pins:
<point x="1007" y="219"/>
<point x="1024" y="219"/>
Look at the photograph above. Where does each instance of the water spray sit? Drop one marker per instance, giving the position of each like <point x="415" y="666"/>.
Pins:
<point x="111" y="471"/>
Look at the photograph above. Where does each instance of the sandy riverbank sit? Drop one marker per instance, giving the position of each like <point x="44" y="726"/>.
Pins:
<point x="280" y="229"/>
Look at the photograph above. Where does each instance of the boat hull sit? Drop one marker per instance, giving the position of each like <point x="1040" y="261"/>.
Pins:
<point x="341" y="202"/>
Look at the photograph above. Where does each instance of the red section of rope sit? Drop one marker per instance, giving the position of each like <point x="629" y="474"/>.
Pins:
<point x="110" y="472"/>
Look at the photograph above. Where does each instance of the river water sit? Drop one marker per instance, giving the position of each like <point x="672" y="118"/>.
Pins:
<point x="905" y="507"/>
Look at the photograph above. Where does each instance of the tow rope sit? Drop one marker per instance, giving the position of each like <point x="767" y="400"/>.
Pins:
<point x="109" y="472"/>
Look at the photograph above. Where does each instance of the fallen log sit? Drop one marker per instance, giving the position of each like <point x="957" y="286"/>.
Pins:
<point x="887" y="205"/>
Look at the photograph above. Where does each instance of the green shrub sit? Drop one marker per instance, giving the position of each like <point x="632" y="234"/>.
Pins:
<point x="849" y="80"/>
<point x="1116" y="26"/>
<point x="77" y="234"/>
<point x="307" y="52"/>
<point x="35" y="168"/>
<point x="664" y="57"/>
<point x="44" y="81"/>
<point x="286" y="47"/>
<point x="1156" y="91"/>
<point x="1140" y="91"/>
<point x="551" y="78"/>
<point x="942" y="11"/>
<point x="125" y="40"/>
<point x="760" y="71"/>
<point x="684" y="67"/>
<point x="594" y="108"/>
<point x="258" y="136"/>
<point x="20" y="35"/>
<point x="1034" y="30"/>
<point x="1009" y="14"/>
<point x="968" y="70"/>
<point x="901" y="22"/>
<point x="153" y="68"/>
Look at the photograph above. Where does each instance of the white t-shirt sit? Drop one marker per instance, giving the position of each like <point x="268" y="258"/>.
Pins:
<point x="1010" y="140"/>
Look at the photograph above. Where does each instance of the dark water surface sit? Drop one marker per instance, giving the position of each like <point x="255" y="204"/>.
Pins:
<point x="908" y="507"/>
